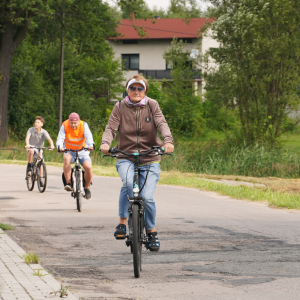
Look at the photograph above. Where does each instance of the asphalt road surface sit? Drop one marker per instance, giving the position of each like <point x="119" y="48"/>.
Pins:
<point x="212" y="247"/>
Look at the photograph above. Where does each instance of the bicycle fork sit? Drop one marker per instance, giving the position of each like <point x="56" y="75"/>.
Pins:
<point x="80" y="189"/>
<point x="142" y="237"/>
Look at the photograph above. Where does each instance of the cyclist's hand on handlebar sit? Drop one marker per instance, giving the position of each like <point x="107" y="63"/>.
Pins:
<point x="91" y="148"/>
<point x="104" y="148"/>
<point x="52" y="147"/>
<point x="61" y="149"/>
<point x="169" y="148"/>
<point x="27" y="146"/>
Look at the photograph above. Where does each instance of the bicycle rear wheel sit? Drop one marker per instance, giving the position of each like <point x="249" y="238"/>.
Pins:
<point x="136" y="241"/>
<point x="78" y="192"/>
<point x="30" y="178"/>
<point x="41" y="177"/>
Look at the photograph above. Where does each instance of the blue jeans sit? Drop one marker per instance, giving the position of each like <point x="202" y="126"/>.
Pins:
<point x="125" y="169"/>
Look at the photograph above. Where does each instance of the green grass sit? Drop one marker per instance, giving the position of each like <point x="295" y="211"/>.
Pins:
<point x="7" y="227"/>
<point x="31" y="258"/>
<point x="273" y="198"/>
<point x="291" y="141"/>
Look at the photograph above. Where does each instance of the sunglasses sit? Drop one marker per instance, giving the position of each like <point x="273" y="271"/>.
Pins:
<point x="133" y="88"/>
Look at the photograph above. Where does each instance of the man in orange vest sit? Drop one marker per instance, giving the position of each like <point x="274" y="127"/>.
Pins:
<point x="75" y="134"/>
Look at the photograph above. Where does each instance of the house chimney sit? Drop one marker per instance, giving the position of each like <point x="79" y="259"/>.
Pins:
<point x="132" y="16"/>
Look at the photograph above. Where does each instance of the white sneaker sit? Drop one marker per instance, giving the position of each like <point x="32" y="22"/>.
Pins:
<point x="68" y="188"/>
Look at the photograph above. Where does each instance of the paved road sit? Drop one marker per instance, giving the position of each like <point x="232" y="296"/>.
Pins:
<point x="212" y="247"/>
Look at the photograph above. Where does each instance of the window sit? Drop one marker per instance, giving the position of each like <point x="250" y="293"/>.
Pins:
<point x="130" y="42"/>
<point x="188" y="41"/>
<point x="169" y="66"/>
<point x="131" y="61"/>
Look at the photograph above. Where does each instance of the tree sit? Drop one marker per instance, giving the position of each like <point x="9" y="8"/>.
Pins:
<point x="138" y="7"/>
<point x="89" y="22"/>
<point x="15" y="19"/>
<point x="184" y="9"/>
<point x="177" y="9"/>
<point x="182" y="105"/>
<point x="258" y="63"/>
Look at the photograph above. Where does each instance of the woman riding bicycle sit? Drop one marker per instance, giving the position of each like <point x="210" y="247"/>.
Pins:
<point x="138" y="119"/>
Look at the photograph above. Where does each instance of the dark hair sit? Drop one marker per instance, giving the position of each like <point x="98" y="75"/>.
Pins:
<point x="40" y="118"/>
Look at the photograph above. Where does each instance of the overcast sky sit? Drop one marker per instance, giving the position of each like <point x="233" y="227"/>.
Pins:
<point x="158" y="3"/>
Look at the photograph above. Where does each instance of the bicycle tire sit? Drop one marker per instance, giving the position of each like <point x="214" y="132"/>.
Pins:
<point x="78" y="193"/>
<point x="40" y="178"/>
<point x="30" y="180"/>
<point x="136" y="241"/>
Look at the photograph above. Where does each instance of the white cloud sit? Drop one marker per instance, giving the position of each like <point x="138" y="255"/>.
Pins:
<point x="158" y="3"/>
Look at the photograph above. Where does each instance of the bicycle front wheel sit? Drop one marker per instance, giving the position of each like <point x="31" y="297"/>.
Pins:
<point x="136" y="241"/>
<point x="78" y="192"/>
<point x="41" y="177"/>
<point x="30" y="178"/>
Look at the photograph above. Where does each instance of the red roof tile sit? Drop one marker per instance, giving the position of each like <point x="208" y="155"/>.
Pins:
<point x="161" y="29"/>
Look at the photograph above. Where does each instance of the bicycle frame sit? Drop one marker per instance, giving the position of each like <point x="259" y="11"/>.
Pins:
<point x="136" y="199"/>
<point x="77" y="167"/>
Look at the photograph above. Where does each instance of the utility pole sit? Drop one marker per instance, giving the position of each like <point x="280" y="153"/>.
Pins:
<point x="61" y="76"/>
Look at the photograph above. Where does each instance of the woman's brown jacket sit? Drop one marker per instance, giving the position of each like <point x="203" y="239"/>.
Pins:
<point x="137" y="128"/>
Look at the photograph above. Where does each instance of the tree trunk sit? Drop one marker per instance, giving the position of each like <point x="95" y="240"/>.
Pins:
<point x="9" y="41"/>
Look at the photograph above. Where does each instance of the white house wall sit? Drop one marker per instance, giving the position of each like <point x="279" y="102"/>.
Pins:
<point x="207" y="43"/>
<point x="151" y="54"/>
<point x="150" y="51"/>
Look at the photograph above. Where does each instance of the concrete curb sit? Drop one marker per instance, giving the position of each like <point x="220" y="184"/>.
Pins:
<point x="17" y="279"/>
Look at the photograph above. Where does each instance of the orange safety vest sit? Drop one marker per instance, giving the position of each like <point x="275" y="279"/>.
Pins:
<point x="74" y="137"/>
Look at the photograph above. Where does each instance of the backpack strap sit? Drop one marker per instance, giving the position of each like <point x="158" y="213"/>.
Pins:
<point x="120" y="114"/>
<point x="149" y="107"/>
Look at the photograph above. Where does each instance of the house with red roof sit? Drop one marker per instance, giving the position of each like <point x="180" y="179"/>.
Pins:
<point x="140" y="44"/>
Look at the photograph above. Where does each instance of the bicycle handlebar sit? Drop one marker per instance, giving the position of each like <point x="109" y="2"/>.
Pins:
<point x="39" y="148"/>
<point x="114" y="152"/>
<point x="77" y="150"/>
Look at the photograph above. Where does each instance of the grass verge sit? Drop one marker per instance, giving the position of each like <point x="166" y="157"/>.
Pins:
<point x="278" y="192"/>
<point x="7" y="227"/>
<point x="273" y="198"/>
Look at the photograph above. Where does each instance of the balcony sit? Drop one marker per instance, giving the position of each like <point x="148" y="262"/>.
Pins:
<point x="163" y="74"/>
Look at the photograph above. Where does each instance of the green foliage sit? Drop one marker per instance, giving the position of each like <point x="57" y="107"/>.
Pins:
<point x="274" y="198"/>
<point x="89" y="80"/>
<point x="184" y="9"/>
<point x="181" y="106"/>
<point x="178" y="9"/>
<point x="20" y="13"/>
<point x="138" y="7"/>
<point x="258" y="63"/>
<point x="7" y="227"/>
<point x="224" y="158"/>
<point x="31" y="258"/>
<point x="62" y="292"/>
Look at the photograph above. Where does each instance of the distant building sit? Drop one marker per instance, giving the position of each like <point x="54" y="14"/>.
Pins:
<point x="144" y="54"/>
